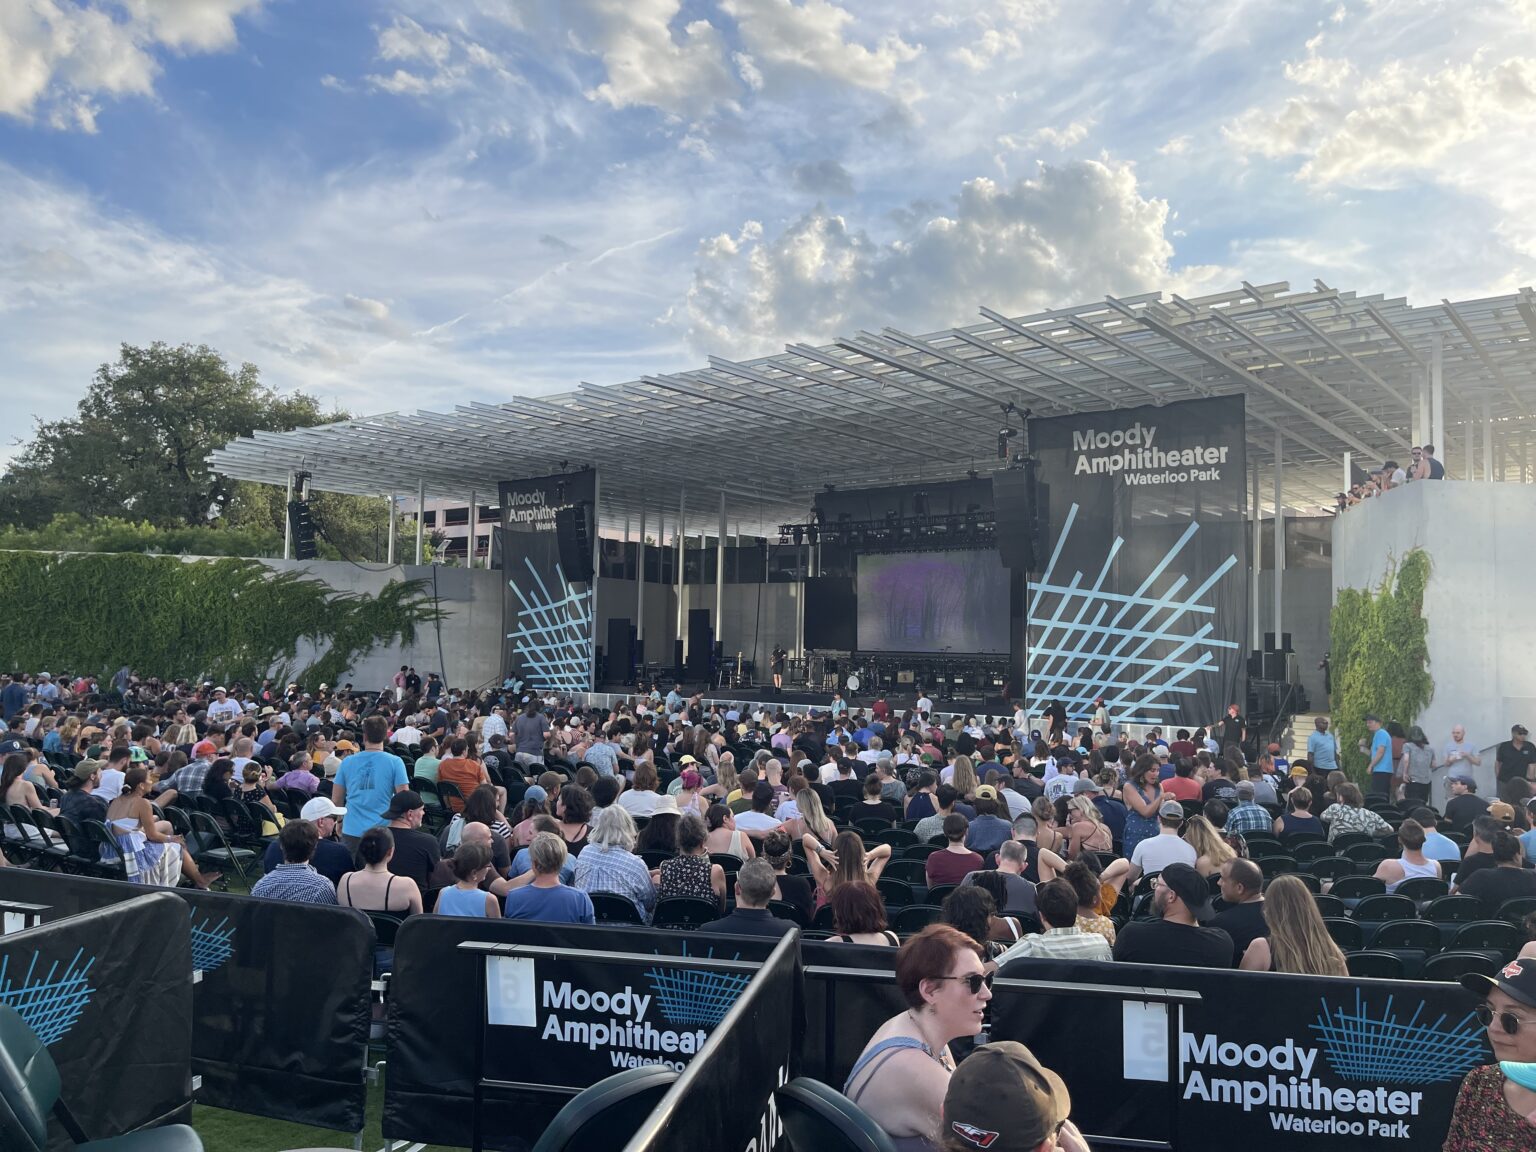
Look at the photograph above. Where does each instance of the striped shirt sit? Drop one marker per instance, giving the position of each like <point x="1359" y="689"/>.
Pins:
<point x="1059" y="944"/>
<point x="1249" y="817"/>
<point x="299" y="882"/>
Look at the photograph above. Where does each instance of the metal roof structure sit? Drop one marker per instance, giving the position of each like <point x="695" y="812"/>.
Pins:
<point x="1325" y="373"/>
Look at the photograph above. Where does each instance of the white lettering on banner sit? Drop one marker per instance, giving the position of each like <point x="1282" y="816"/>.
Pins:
<point x="631" y="1039"/>
<point x="1298" y="1092"/>
<point x="770" y="1127"/>
<point x="1141" y="460"/>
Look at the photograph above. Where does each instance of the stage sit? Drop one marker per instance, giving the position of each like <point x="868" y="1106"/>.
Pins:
<point x="799" y="699"/>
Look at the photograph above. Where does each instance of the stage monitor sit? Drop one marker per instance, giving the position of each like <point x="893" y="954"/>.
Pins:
<point x="933" y="602"/>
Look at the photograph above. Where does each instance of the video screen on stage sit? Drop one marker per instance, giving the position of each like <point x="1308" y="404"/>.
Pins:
<point x="933" y="602"/>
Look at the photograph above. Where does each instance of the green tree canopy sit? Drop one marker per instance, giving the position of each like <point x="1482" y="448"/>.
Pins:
<point x="138" y="442"/>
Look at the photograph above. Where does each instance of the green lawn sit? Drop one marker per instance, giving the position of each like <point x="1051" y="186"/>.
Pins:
<point x="224" y="1131"/>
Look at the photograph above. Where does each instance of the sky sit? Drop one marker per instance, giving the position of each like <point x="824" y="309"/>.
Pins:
<point x="405" y="204"/>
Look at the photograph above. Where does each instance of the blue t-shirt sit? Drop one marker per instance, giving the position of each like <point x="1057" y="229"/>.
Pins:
<point x="560" y="905"/>
<point x="1384" y="742"/>
<point x="370" y="780"/>
<point x="521" y="863"/>
<point x="1320" y="750"/>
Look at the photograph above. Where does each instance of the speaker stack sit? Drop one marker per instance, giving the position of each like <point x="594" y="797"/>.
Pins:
<point x="574" y="532"/>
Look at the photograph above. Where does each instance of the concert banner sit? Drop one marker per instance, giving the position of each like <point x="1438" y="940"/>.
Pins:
<point x="556" y="1024"/>
<point x="109" y="992"/>
<point x="1138" y="593"/>
<point x="304" y="1063"/>
<point x="549" y="614"/>
<point x="724" y="1098"/>
<point x="1265" y="1061"/>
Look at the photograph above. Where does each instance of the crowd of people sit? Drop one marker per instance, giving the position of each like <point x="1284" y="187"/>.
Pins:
<point x="1060" y="844"/>
<point x="1423" y="465"/>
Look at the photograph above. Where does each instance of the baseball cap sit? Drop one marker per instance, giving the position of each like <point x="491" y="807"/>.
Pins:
<point x="1161" y="751"/>
<point x="1502" y="812"/>
<point x="137" y="755"/>
<point x="986" y="791"/>
<point x="1519" y="730"/>
<point x="1171" y="810"/>
<point x="348" y="746"/>
<point x="1190" y="887"/>
<point x="321" y="807"/>
<point x="1084" y="787"/>
<point x="1245" y="789"/>
<point x="204" y="748"/>
<point x="805" y="764"/>
<point x="1299" y="771"/>
<point x="1517" y="980"/>
<point x="221" y="688"/>
<point x="402" y="802"/>
<point x="86" y="769"/>
<point x="1004" y="1100"/>
<point x="1370" y="716"/>
<point x="535" y="793"/>
<point x="1463" y="777"/>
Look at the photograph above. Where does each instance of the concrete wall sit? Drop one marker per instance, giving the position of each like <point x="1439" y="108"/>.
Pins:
<point x="1481" y="541"/>
<point x="471" y="633"/>
<point x="756" y="617"/>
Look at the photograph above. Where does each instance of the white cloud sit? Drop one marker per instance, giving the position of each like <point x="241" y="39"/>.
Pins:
<point x="56" y="56"/>
<point x="1071" y="232"/>
<point x="1177" y="146"/>
<point x="1063" y="138"/>
<point x="685" y="73"/>
<point x="1001" y="30"/>
<point x="812" y="37"/>
<point x="433" y="62"/>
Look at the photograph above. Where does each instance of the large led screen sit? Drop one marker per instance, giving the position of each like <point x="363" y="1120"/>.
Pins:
<point x="933" y="602"/>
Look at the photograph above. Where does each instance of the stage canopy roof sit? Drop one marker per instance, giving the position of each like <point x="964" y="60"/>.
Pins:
<point x="1325" y="373"/>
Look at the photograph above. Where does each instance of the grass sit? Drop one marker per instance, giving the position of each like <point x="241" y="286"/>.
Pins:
<point x="224" y="1131"/>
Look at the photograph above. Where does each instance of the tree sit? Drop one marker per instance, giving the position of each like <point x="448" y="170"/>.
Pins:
<point x="137" y="446"/>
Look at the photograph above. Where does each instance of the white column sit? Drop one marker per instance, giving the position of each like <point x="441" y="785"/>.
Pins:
<point x="1487" y="443"/>
<point x="474" y="528"/>
<point x="1348" y="469"/>
<point x="1279" y="528"/>
<point x="640" y="585"/>
<point x="288" y="521"/>
<point x="682" y="550"/>
<point x="389" y="554"/>
<point x="1258" y="544"/>
<point x="1470" y="470"/>
<point x="1437" y="394"/>
<point x="421" y="521"/>
<point x="1421" y="412"/>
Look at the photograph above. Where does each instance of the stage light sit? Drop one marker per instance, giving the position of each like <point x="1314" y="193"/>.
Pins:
<point x="799" y="534"/>
<point x="783" y="536"/>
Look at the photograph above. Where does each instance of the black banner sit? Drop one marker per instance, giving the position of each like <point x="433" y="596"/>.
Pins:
<point x="110" y="993"/>
<point x="1266" y="1062"/>
<point x="1139" y="597"/>
<point x="589" y="1019"/>
<point x="549" y="641"/>
<point x="724" y="1099"/>
<point x="280" y="1015"/>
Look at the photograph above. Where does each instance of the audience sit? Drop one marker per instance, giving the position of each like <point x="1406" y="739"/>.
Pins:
<point x="1182" y="900"/>
<point x="754" y="889"/>
<point x="1295" y="938"/>
<point x="1061" y="937"/>
<point x="548" y="896"/>
<point x="608" y="863"/>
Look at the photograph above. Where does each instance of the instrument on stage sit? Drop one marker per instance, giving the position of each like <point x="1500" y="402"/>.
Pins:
<point x="853" y="682"/>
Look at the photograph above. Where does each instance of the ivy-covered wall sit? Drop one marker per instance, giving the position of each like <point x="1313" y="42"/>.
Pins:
<point x="223" y="619"/>
<point x="1380" y="654"/>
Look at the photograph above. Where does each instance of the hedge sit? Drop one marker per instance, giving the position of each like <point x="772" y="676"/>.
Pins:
<point x="221" y="619"/>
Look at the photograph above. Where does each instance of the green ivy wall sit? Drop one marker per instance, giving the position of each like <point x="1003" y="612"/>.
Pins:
<point x="224" y="619"/>
<point x="1380" y="654"/>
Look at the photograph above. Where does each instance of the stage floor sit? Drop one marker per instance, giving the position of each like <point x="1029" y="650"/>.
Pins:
<point x="800" y="698"/>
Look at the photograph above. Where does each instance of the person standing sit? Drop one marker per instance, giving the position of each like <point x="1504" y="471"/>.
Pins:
<point x="1381" y="766"/>
<point x="1323" y="747"/>
<point x="1232" y="729"/>
<point x="1416" y="765"/>
<point x="1516" y="756"/>
<point x="366" y="782"/>
<point x="1459" y="755"/>
<point x="779" y="659"/>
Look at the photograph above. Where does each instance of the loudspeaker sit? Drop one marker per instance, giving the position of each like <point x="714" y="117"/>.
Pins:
<point x="302" y="528"/>
<point x="1017" y="499"/>
<point x="1255" y="665"/>
<point x="621" y="659"/>
<point x="701" y="642"/>
<point x="574" y="532"/>
<point x="1274" y="666"/>
<point x="1269" y="642"/>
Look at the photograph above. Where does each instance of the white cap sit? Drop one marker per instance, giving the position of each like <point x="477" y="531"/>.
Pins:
<point x="319" y="808"/>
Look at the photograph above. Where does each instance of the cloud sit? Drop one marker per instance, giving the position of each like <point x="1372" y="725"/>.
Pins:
<point x="58" y="56"/>
<point x="791" y="39"/>
<point x="429" y="62"/>
<point x="1177" y="146"/>
<point x="1071" y="232"/>
<point x="822" y="178"/>
<point x="1391" y="122"/>
<point x="1000" y="31"/>
<point x="686" y="73"/>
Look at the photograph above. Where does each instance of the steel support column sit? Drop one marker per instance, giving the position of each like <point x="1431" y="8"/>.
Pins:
<point x="1279" y="530"/>
<point x="421" y="520"/>
<point x="389" y="555"/>
<point x="288" y="522"/>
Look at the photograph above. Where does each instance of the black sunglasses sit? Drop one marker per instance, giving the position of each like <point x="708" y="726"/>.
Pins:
<point x="976" y="980"/>
<point x="1509" y="1022"/>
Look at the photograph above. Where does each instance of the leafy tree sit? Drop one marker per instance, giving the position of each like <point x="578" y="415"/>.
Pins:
<point x="138" y="443"/>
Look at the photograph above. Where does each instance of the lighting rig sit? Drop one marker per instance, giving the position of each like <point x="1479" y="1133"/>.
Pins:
<point x="974" y="528"/>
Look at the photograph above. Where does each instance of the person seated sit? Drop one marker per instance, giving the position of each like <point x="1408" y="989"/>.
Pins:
<point x="546" y="898"/>
<point x="1182" y="900"/>
<point x="295" y="878"/>
<point x="754" y="889"/>
<point x="901" y="1077"/>
<point x="972" y="908"/>
<point x="1062" y="939"/>
<point x="690" y="872"/>
<point x="1508" y="879"/>
<point x="1412" y="863"/>
<point x="608" y="862"/>
<point x="858" y="915"/>
<point x="1000" y="1089"/>
<point x="374" y="888"/>
<point x="331" y="858"/>
<point x="954" y="861"/>
<point x="471" y="865"/>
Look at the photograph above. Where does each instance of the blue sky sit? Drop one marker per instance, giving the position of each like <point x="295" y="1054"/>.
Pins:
<point x="412" y="203"/>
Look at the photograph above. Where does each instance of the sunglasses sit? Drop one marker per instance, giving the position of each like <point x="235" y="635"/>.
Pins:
<point x="976" y="981"/>
<point x="1509" y="1022"/>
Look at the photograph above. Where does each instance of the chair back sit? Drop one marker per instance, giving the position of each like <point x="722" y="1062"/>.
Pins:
<point x="29" y="1085"/>
<point x="605" y="1116"/>
<point x="818" y="1118"/>
<point x="1385" y="907"/>
<point x="1452" y="966"/>
<point x="385" y="925"/>
<point x="684" y="912"/>
<point x="1376" y="965"/>
<point x="612" y="908"/>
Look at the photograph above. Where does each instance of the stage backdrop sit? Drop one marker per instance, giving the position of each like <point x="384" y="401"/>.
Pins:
<point x="1139" y="597"/>
<point x="549" y="642"/>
